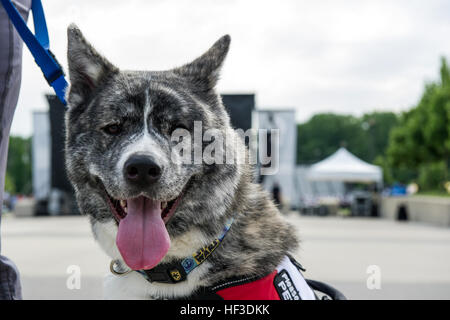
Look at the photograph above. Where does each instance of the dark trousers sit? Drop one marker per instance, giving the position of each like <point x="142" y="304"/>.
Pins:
<point x="10" y="77"/>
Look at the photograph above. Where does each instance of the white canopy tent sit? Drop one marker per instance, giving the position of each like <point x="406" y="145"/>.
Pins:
<point x="344" y="166"/>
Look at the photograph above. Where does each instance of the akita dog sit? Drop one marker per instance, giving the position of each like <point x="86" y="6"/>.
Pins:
<point x="173" y="228"/>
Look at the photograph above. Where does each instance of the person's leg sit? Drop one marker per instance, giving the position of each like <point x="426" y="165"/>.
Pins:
<point x="10" y="77"/>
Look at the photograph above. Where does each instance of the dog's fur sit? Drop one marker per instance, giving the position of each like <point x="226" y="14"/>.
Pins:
<point x="148" y="105"/>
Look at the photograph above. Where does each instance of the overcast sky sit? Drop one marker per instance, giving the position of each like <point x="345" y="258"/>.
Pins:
<point x="346" y="57"/>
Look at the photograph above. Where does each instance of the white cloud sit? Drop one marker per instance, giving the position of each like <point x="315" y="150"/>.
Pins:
<point x="342" y="56"/>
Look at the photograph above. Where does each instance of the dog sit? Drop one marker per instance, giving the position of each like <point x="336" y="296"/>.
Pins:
<point x="147" y="209"/>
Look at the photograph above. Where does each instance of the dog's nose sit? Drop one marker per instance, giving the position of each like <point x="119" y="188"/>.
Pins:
<point x="142" y="170"/>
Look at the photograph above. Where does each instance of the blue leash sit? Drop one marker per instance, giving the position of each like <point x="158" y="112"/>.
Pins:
<point x="39" y="45"/>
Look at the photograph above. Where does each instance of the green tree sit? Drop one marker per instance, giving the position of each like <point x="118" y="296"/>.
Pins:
<point x="421" y="142"/>
<point x="9" y="184"/>
<point x="378" y="126"/>
<point x="19" y="164"/>
<point x="432" y="176"/>
<point x="323" y="134"/>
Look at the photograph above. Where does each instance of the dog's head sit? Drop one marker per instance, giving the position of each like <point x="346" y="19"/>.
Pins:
<point x="124" y="130"/>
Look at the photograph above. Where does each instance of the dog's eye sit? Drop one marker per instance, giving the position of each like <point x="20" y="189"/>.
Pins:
<point x="112" y="129"/>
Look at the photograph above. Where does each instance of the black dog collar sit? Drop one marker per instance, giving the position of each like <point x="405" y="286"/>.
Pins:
<point x="178" y="270"/>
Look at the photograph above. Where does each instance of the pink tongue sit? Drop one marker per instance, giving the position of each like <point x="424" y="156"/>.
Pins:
<point x="142" y="238"/>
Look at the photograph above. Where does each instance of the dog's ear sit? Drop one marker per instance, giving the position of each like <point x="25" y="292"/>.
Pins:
<point x="87" y="68"/>
<point x="204" y="71"/>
